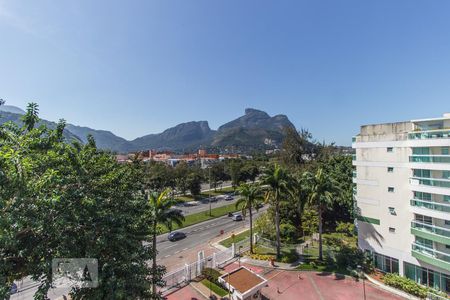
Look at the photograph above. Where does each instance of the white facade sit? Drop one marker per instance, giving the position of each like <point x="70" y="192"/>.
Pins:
<point x="403" y="197"/>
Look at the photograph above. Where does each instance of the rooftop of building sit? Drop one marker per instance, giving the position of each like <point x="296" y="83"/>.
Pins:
<point x="243" y="280"/>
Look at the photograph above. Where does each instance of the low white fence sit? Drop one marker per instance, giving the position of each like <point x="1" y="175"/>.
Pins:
<point x="189" y="272"/>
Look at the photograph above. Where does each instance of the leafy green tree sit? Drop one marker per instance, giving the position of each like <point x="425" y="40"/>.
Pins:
<point x="215" y="174"/>
<point x="310" y="221"/>
<point x="250" y="170"/>
<point x="251" y="196"/>
<point x="70" y="200"/>
<point x="278" y="185"/>
<point x="194" y="181"/>
<point x="298" y="148"/>
<point x="181" y="172"/>
<point x="234" y="171"/>
<point x="321" y="193"/>
<point x="160" y="212"/>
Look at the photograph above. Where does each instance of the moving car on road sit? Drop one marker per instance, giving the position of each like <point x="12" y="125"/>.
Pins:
<point x="237" y="217"/>
<point x="176" y="235"/>
<point x="228" y="198"/>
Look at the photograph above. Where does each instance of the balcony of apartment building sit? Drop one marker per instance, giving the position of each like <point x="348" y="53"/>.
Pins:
<point x="433" y="205"/>
<point x="434" y="158"/>
<point x="431" y="181"/>
<point x="432" y="240"/>
<point x="429" y="134"/>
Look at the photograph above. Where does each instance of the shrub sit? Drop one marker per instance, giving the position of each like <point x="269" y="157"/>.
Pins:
<point x="211" y="274"/>
<point x="346" y="228"/>
<point x="288" y="232"/>
<point x="289" y="257"/>
<point x="405" y="284"/>
<point x="260" y="256"/>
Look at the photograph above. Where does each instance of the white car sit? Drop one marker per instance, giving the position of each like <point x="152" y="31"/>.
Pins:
<point x="237" y="217"/>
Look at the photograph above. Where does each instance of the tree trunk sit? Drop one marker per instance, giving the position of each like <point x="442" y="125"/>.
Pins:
<point x="251" y="228"/>
<point x="154" y="262"/>
<point x="277" y="226"/>
<point x="320" y="234"/>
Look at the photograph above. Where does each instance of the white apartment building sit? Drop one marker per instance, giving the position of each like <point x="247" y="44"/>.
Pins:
<point x="402" y="194"/>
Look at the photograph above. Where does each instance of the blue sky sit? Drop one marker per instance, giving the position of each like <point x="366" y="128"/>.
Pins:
<point x="139" y="67"/>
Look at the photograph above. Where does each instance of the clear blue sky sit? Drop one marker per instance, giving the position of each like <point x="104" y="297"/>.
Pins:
<point x="138" y="67"/>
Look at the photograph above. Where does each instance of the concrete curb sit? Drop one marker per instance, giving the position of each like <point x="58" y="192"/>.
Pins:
<point x="391" y="289"/>
<point x="222" y="248"/>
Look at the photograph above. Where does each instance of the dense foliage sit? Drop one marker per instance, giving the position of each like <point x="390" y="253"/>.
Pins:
<point x="405" y="284"/>
<point x="61" y="200"/>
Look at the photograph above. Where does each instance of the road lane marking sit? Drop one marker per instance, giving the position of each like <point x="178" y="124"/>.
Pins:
<point x="185" y="249"/>
<point x="170" y="246"/>
<point x="167" y="256"/>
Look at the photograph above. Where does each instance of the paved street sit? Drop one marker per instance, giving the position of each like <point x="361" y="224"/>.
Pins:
<point x="171" y="254"/>
<point x="175" y="254"/>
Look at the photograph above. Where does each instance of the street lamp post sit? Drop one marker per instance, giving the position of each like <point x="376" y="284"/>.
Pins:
<point x="361" y="274"/>
<point x="209" y="171"/>
<point x="239" y="258"/>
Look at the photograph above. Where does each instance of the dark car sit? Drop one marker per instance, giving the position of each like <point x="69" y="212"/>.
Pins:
<point x="228" y="198"/>
<point x="176" y="235"/>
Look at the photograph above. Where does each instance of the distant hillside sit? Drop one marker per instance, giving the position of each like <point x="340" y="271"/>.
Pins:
<point x="255" y="130"/>
<point x="13" y="117"/>
<point x="181" y="137"/>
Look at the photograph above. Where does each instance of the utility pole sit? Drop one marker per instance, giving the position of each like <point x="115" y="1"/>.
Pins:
<point x="209" y="171"/>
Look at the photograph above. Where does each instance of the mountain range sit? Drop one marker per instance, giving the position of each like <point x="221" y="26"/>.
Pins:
<point x="255" y="130"/>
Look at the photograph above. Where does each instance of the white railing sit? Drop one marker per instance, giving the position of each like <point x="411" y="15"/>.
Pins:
<point x="193" y="270"/>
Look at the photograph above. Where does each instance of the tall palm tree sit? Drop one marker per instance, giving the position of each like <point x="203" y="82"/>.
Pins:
<point x="161" y="213"/>
<point x="251" y="196"/>
<point x="278" y="183"/>
<point x="320" y="195"/>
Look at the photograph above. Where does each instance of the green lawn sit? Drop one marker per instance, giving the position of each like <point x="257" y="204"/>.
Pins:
<point x="237" y="238"/>
<point x="214" y="287"/>
<point x="204" y="216"/>
<point x="187" y="198"/>
<point x="311" y="261"/>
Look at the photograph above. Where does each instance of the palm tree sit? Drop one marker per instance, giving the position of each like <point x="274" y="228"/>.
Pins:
<point x="250" y="198"/>
<point x="161" y="213"/>
<point x="320" y="195"/>
<point x="277" y="181"/>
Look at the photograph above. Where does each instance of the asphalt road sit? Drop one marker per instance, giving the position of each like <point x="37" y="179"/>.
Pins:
<point x="198" y="234"/>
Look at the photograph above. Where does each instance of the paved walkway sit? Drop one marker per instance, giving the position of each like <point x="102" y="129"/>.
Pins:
<point x="185" y="293"/>
<point x="304" y="285"/>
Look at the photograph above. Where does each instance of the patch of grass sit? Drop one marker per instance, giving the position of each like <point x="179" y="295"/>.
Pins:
<point x="204" y="216"/>
<point x="214" y="287"/>
<point x="237" y="238"/>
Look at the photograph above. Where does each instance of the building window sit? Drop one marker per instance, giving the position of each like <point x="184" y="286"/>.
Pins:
<point x="446" y="198"/>
<point x="423" y="196"/>
<point x="392" y="211"/>
<point x="427" y="277"/>
<point x="424" y="219"/>
<point x="390" y="169"/>
<point x="444" y="151"/>
<point x="447" y="222"/>
<point x="390" y="189"/>
<point x="422" y="173"/>
<point x="385" y="263"/>
<point x="421" y="151"/>
<point x="390" y="149"/>
<point x="391" y="229"/>
<point x="446" y="174"/>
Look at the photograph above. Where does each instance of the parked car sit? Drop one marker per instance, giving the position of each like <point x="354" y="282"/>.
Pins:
<point x="176" y="210"/>
<point x="213" y="199"/>
<point x="228" y="198"/>
<point x="176" y="235"/>
<point x="13" y="288"/>
<point x="237" y="217"/>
